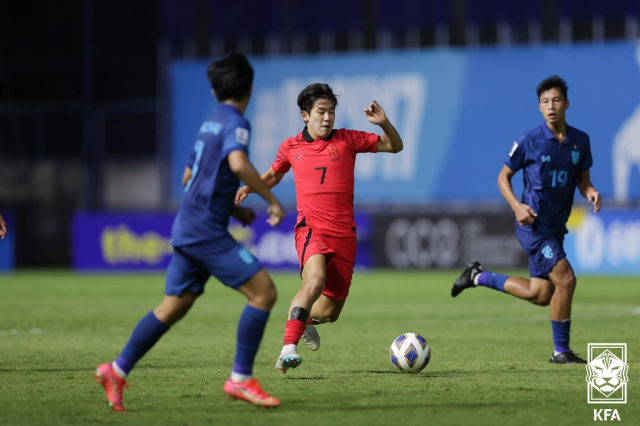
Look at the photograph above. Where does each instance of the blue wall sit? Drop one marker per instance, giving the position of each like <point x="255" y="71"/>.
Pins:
<point x="458" y="112"/>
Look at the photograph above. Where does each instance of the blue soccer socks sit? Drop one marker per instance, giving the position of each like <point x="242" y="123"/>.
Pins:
<point x="492" y="280"/>
<point x="561" y="331"/>
<point x="250" y="330"/>
<point x="150" y="329"/>
<point x="146" y="334"/>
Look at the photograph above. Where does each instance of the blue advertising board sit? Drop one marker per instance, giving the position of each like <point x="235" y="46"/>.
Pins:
<point x="7" y="245"/>
<point x="604" y="243"/>
<point x="103" y="241"/>
<point x="141" y="242"/>
<point x="458" y="112"/>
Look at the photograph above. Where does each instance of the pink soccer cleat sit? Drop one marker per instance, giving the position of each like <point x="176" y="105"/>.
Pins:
<point x="113" y="385"/>
<point x="249" y="391"/>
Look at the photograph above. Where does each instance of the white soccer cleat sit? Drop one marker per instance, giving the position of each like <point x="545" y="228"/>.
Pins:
<point x="287" y="360"/>
<point x="311" y="338"/>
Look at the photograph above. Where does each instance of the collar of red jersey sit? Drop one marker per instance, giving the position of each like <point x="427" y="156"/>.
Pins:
<point x="307" y="137"/>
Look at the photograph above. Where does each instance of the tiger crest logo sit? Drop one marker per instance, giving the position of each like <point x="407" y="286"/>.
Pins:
<point x="333" y="153"/>
<point x="607" y="374"/>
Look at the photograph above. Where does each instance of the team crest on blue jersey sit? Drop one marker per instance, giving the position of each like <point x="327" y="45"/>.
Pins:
<point x="547" y="252"/>
<point x="246" y="256"/>
<point x="242" y="136"/>
<point x="575" y="156"/>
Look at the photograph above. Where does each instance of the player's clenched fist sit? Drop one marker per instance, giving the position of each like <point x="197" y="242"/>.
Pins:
<point x="243" y="215"/>
<point x="525" y="215"/>
<point x="276" y="214"/>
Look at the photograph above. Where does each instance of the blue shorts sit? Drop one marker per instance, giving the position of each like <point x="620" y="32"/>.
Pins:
<point x="544" y="251"/>
<point x="192" y="265"/>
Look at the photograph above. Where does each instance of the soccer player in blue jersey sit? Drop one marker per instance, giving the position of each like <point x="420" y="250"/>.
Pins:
<point x="203" y="246"/>
<point x="555" y="158"/>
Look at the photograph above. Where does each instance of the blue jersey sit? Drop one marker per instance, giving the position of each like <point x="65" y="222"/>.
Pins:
<point x="550" y="171"/>
<point x="207" y="203"/>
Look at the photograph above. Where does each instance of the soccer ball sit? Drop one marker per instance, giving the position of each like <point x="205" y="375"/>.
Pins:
<point x="410" y="353"/>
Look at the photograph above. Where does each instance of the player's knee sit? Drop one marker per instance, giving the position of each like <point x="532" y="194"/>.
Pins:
<point x="567" y="282"/>
<point x="541" y="295"/>
<point x="314" y="283"/>
<point x="315" y="277"/>
<point x="540" y="299"/>
<point x="266" y="298"/>
<point x="329" y="314"/>
<point x="543" y="300"/>
<point x="270" y="296"/>
<point x="332" y="317"/>
<point x="327" y="317"/>
<point x="572" y="283"/>
<point x="174" y="308"/>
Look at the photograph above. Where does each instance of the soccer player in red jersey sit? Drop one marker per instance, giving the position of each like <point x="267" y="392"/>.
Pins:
<point x="323" y="161"/>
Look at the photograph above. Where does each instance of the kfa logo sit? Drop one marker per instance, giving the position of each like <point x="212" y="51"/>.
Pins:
<point x="607" y="374"/>
<point x="606" y="414"/>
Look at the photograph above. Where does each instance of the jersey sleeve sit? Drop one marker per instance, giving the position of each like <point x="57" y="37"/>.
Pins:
<point x="281" y="164"/>
<point x="236" y="138"/>
<point x="588" y="159"/>
<point x="518" y="154"/>
<point x="362" y="141"/>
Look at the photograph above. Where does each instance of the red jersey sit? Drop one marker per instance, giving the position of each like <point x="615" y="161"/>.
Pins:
<point x="323" y="172"/>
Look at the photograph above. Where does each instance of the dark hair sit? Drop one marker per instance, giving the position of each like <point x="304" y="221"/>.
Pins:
<point x="553" y="82"/>
<point x="314" y="92"/>
<point x="231" y="77"/>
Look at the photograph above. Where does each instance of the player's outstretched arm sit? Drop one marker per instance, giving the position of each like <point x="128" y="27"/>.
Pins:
<point x="3" y="228"/>
<point x="525" y="215"/>
<point x="241" y="167"/>
<point x="391" y="140"/>
<point x="270" y="178"/>
<point x="588" y="191"/>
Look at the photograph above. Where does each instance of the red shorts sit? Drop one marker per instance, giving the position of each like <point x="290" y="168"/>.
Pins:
<point x="340" y="256"/>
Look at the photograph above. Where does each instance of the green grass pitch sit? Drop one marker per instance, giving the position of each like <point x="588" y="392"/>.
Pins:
<point x="489" y="364"/>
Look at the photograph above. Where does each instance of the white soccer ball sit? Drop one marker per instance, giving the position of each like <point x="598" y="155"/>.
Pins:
<point x="410" y="353"/>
